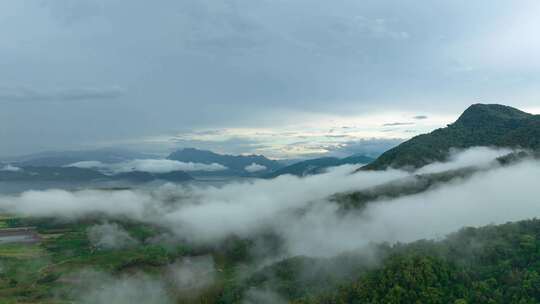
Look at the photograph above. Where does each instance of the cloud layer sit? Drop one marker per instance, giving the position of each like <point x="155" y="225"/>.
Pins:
<point x="298" y="209"/>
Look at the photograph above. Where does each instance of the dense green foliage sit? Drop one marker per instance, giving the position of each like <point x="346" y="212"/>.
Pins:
<point x="36" y="273"/>
<point x="479" y="125"/>
<point x="496" y="264"/>
<point x="493" y="264"/>
<point x="44" y="272"/>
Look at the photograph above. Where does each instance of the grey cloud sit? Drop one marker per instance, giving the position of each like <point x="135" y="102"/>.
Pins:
<point x="194" y="64"/>
<point x="395" y="124"/>
<point x="370" y="147"/>
<point x="209" y="132"/>
<point x="25" y="94"/>
<point x="69" y="13"/>
<point x="337" y="136"/>
<point x="420" y="117"/>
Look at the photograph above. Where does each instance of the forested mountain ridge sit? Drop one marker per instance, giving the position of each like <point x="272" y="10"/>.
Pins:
<point x="490" y="264"/>
<point x="480" y="125"/>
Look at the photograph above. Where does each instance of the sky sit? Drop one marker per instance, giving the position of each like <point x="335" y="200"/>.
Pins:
<point x="284" y="78"/>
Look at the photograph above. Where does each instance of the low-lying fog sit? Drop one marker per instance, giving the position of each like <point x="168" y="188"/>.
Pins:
<point x="299" y="210"/>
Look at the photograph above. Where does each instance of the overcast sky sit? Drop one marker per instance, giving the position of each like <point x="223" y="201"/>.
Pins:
<point x="279" y="77"/>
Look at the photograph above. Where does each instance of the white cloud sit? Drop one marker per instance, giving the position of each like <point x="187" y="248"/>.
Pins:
<point x="192" y="274"/>
<point x="254" y="167"/>
<point x="89" y="164"/>
<point x="10" y="168"/>
<point x="110" y="236"/>
<point x="100" y="288"/>
<point x="77" y="204"/>
<point x="166" y="165"/>
<point x="473" y="157"/>
<point x="149" y="165"/>
<point x="183" y="280"/>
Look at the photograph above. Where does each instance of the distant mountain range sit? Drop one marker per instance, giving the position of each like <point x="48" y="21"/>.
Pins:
<point x="318" y="165"/>
<point x="54" y="166"/>
<point x="62" y="166"/>
<point x="480" y="125"/>
<point x="237" y="165"/>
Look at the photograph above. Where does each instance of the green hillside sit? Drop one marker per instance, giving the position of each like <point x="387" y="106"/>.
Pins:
<point x="493" y="264"/>
<point x="480" y="125"/>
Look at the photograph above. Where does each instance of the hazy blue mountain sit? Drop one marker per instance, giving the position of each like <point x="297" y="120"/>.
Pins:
<point x="63" y="158"/>
<point x="236" y="164"/>
<point x="357" y="159"/>
<point x="142" y="177"/>
<point x="73" y="174"/>
<point x="480" y="125"/>
<point x="318" y="165"/>
<point x="51" y="174"/>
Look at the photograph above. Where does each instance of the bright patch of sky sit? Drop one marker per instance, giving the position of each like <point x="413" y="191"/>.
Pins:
<point x="320" y="135"/>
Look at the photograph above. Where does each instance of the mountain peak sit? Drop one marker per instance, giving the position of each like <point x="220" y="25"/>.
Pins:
<point x="480" y="125"/>
<point x="480" y="114"/>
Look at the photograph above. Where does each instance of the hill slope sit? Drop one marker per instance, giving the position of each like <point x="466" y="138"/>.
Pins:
<point x="480" y="125"/>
